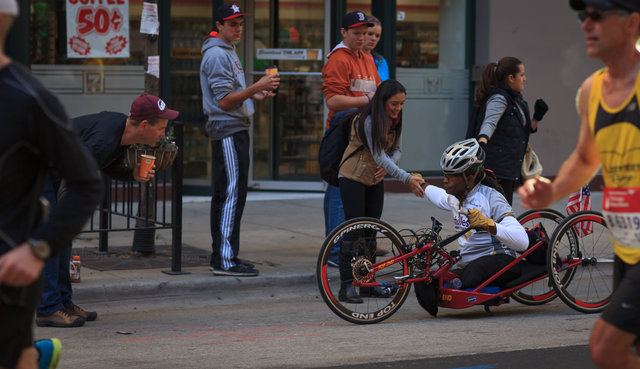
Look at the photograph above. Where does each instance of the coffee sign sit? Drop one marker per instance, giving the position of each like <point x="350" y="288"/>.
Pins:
<point x="97" y="28"/>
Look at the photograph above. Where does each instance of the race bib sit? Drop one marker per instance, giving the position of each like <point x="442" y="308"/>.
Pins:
<point x="621" y="210"/>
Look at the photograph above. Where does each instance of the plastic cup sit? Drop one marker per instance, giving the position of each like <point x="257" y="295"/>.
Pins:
<point x="271" y="70"/>
<point x="146" y="163"/>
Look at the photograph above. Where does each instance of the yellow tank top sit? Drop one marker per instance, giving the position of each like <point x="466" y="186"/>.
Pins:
<point x="616" y="131"/>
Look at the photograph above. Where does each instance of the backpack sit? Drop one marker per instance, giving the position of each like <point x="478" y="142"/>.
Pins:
<point x="332" y="147"/>
<point x="536" y="234"/>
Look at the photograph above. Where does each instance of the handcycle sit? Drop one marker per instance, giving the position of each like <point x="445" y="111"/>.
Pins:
<point x="578" y="267"/>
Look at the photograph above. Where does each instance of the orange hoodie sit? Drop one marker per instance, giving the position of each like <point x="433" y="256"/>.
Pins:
<point x="348" y="73"/>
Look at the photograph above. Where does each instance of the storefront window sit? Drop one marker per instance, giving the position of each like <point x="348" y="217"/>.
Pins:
<point x="288" y="129"/>
<point x="417" y="33"/>
<point x="51" y="34"/>
<point x="191" y="23"/>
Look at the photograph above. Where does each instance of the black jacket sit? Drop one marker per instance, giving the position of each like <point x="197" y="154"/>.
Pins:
<point x="505" y="149"/>
<point x="37" y="136"/>
<point x="101" y="134"/>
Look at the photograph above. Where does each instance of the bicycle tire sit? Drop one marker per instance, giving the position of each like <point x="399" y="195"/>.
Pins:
<point x="539" y="292"/>
<point x="387" y="239"/>
<point x="588" y="284"/>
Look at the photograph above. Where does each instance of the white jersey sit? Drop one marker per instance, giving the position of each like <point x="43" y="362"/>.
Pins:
<point x="475" y="244"/>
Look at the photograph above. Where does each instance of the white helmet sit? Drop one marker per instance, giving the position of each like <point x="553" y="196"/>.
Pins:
<point x="461" y="156"/>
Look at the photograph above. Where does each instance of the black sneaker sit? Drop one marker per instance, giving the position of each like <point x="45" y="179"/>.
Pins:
<point x="240" y="270"/>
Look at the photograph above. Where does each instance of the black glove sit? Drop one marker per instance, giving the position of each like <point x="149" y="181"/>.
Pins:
<point x="540" y="110"/>
<point x="483" y="146"/>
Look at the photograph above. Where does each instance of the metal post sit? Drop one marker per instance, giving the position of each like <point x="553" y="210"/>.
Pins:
<point x="105" y="209"/>
<point x="176" y="203"/>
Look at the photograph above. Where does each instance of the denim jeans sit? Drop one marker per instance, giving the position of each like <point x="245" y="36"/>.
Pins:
<point x="333" y="213"/>
<point x="57" y="292"/>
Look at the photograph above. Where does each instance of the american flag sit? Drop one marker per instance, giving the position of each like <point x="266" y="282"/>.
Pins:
<point x="579" y="201"/>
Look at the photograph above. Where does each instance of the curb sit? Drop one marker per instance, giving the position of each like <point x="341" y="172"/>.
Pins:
<point x="269" y="283"/>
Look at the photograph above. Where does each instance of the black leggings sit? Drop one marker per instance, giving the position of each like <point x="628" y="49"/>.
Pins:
<point x="481" y="269"/>
<point x="508" y="186"/>
<point x="358" y="200"/>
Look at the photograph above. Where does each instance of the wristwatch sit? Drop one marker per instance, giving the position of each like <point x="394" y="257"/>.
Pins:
<point x="40" y="248"/>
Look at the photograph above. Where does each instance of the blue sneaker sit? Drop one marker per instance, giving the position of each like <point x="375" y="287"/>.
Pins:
<point x="333" y="261"/>
<point x="49" y="353"/>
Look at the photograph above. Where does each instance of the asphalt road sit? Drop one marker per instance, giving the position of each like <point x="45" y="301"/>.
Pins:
<point x="295" y="329"/>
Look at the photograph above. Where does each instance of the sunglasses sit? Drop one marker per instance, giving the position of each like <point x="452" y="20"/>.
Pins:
<point x="449" y="176"/>
<point x="598" y="15"/>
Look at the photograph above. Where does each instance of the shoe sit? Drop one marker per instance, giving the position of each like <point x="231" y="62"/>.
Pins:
<point x="49" y="353"/>
<point x="239" y="270"/>
<point x="333" y="261"/>
<point x="244" y="262"/>
<point x="381" y="252"/>
<point x="76" y="310"/>
<point x="378" y="292"/>
<point x="349" y="294"/>
<point x="60" y="318"/>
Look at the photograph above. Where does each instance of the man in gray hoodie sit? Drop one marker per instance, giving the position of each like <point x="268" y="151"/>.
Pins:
<point x="226" y="101"/>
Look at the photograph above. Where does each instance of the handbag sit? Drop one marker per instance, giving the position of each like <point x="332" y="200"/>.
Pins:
<point x="530" y="164"/>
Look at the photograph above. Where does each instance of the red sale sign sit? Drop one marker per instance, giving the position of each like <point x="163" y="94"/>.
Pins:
<point x="97" y="28"/>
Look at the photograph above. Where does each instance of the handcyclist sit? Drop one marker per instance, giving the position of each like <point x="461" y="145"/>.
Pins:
<point x="475" y="199"/>
<point x="608" y="104"/>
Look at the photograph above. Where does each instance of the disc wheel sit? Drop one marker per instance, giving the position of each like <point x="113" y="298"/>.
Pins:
<point x="580" y="262"/>
<point x="539" y="292"/>
<point x="373" y="240"/>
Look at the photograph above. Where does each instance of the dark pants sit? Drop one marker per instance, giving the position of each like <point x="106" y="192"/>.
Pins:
<point x="481" y="269"/>
<point x="16" y="333"/>
<point x="508" y="186"/>
<point x="230" y="163"/>
<point x="57" y="292"/>
<point x="358" y="200"/>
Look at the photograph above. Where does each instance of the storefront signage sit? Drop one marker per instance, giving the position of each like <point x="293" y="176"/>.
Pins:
<point x="97" y="28"/>
<point x="289" y="54"/>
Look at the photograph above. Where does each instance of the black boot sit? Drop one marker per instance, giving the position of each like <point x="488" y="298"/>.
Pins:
<point x="348" y="294"/>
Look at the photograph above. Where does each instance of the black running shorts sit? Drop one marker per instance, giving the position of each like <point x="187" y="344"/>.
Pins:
<point x="623" y="310"/>
<point x="16" y="333"/>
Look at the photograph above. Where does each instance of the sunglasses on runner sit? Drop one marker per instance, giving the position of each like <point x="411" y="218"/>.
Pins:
<point x="598" y="15"/>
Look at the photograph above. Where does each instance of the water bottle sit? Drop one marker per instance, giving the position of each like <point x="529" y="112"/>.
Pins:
<point x="455" y="284"/>
<point x="74" y="269"/>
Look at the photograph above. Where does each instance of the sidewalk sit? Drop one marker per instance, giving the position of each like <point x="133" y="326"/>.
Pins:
<point x="281" y="234"/>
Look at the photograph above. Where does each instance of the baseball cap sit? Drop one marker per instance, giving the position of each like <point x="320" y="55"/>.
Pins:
<point x="148" y="106"/>
<point x="355" y="19"/>
<point x="228" y="11"/>
<point x="630" y="5"/>
<point x="9" y="7"/>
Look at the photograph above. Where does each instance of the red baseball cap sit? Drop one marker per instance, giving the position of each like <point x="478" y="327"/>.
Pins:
<point x="228" y="11"/>
<point x="148" y="106"/>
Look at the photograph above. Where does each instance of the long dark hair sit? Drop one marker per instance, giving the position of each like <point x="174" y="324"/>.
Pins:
<point x="380" y="121"/>
<point x="494" y="73"/>
<point x="489" y="179"/>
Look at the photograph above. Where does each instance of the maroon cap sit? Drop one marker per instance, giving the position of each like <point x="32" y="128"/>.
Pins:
<point x="228" y="11"/>
<point x="148" y="106"/>
<point x="355" y="19"/>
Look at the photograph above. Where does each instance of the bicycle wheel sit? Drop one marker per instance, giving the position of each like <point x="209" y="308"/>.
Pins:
<point x="372" y="240"/>
<point x="539" y="292"/>
<point x="580" y="262"/>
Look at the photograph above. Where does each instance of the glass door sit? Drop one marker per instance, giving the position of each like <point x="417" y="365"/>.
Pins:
<point x="287" y="131"/>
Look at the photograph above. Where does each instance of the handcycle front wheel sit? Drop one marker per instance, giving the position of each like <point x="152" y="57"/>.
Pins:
<point x="580" y="262"/>
<point x="539" y="292"/>
<point x="372" y="240"/>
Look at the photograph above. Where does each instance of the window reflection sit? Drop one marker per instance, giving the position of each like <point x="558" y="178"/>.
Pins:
<point x="417" y="33"/>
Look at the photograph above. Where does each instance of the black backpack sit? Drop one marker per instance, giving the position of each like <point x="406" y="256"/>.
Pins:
<point x="537" y="234"/>
<point x="332" y="147"/>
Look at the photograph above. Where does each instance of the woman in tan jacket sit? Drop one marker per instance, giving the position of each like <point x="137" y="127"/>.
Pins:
<point x="377" y="127"/>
